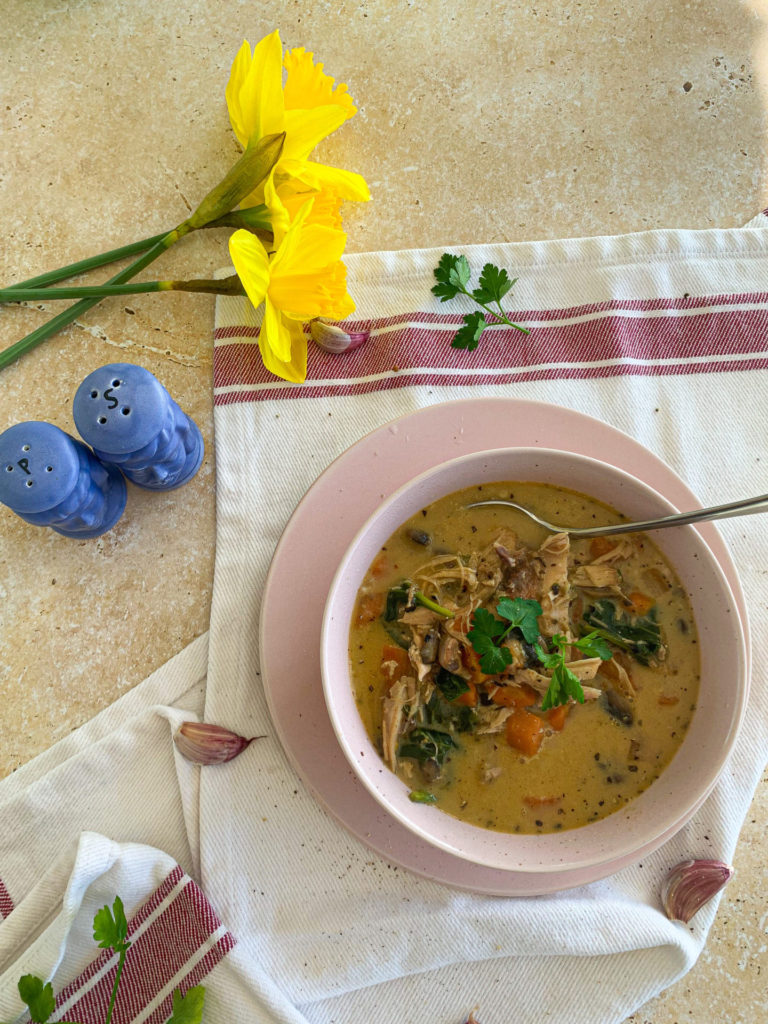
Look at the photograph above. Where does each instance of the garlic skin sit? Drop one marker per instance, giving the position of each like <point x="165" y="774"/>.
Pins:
<point x="334" y="339"/>
<point x="692" y="884"/>
<point x="207" y="744"/>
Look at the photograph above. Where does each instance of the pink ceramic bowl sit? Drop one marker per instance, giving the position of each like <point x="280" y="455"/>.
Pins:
<point x="671" y="800"/>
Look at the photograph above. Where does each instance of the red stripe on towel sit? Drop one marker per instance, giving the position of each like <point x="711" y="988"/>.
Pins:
<point x="170" y="947"/>
<point x="406" y="351"/>
<point x="6" y="903"/>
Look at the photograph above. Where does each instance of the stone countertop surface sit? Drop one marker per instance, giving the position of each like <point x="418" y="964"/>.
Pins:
<point x="477" y="122"/>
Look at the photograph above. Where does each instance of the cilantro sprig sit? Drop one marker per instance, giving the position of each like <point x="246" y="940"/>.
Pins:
<point x="565" y="683"/>
<point x="488" y="633"/>
<point x="110" y="931"/>
<point x="453" y="274"/>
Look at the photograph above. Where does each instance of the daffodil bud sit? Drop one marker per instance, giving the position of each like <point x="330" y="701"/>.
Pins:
<point x="207" y="744"/>
<point x="244" y="177"/>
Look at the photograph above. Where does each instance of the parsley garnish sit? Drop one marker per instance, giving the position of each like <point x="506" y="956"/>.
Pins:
<point x="488" y="632"/>
<point x="110" y="931"/>
<point x="565" y="684"/>
<point x="453" y="274"/>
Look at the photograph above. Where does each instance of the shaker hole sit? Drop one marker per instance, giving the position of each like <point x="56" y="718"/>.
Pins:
<point x="116" y="383"/>
<point x="126" y="411"/>
<point x="94" y="394"/>
<point x="49" y="469"/>
<point x="102" y="419"/>
<point x="29" y="483"/>
<point x="9" y="469"/>
<point x="25" y="447"/>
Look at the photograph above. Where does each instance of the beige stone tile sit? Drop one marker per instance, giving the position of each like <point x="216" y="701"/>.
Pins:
<point x="477" y="122"/>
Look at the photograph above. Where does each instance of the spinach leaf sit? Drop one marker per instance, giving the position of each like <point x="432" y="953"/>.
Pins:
<point x="424" y="744"/>
<point x="450" y="685"/>
<point x="640" y="636"/>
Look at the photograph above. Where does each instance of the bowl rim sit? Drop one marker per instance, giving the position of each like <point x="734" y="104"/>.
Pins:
<point x="417" y="819"/>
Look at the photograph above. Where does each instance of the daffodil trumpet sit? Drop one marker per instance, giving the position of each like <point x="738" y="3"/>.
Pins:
<point x="253" y="167"/>
<point x="220" y="286"/>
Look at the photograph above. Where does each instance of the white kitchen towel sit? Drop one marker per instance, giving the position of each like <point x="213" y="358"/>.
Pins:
<point x="661" y="334"/>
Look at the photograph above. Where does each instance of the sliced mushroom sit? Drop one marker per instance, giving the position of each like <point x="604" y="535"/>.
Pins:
<point x="449" y="656"/>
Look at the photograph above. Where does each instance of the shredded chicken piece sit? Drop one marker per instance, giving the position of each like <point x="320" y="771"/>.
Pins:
<point x="489" y="774"/>
<point x="415" y="652"/>
<point x="420" y="616"/>
<point x="540" y="682"/>
<point x="392" y="719"/>
<point x="492" y="719"/>
<point x="555" y="597"/>
<point x="618" y="678"/>
<point x="518" y="570"/>
<point x="622" y="550"/>
<point x="597" y="576"/>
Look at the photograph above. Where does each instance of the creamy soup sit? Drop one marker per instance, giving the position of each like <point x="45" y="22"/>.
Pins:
<point x="521" y="680"/>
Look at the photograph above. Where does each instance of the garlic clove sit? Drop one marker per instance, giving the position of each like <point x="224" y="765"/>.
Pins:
<point x="692" y="884"/>
<point x="206" y="744"/>
<point x="335" y="339"/>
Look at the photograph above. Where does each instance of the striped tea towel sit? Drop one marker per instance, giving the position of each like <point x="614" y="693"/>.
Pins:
<point x="661" y="334"/>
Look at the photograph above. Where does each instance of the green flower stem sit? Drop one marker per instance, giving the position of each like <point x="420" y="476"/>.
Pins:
<point x="222" y="286"/>
<point x="66" y="317"/>
<point x="253" y="218"/>
<point x="83" y="266"/>
<point x="242" y="179"/>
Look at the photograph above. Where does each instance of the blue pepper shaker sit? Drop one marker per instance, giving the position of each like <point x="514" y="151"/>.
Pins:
<point x="51" y="479"/>
<point x="129" y="419"/>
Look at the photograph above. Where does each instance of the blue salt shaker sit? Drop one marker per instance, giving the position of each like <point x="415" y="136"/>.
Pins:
<point x="51" y="479"/>
<point x="129" y="419"/>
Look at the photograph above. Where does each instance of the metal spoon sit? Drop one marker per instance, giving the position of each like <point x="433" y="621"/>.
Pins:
<point x="745" y="507"/>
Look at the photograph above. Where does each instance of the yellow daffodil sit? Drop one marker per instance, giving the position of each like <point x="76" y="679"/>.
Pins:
<point x="304" y="278"/>
<point x="307" y="108"/>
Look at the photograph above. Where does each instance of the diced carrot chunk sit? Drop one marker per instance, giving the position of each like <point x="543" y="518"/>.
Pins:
<point x="600" y="546"/>
<point x="471" y="661"/>
<point x="461" y="623"/>
<point x="380" y="565"/>
<point x="469" y="698"/>
<point x="369" y="608"/>
<point x="394" y="663"/>
<point x="542" y="801"/>
<point x="514" y="696"/>
<point x="525" y="731"/>
<point x="641" y="604"/>
<point x="557" y="716"/>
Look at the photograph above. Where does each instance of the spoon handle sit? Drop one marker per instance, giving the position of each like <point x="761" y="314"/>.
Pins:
<point x="745" y="507"/>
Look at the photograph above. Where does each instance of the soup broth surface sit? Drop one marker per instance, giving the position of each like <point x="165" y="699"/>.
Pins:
<point x="495" y="754"/>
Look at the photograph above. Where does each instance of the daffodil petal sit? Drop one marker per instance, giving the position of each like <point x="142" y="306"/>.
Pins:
<point x="255" y="90"/>
<point x="237" y="76"/>
<point x="251" y="262"/>
<point x="307" y="85"/>
<point x="345" y="184"/>
<point x="305" y="128"/>
<point x="279" y="215"/>
<point x="294" y="368"/>
<point x="316" y="247"/>
<point x="274" y="336"/>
